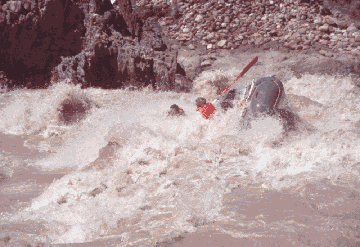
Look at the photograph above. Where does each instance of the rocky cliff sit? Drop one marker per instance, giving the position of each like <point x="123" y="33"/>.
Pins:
<point x="112" y="45"/>
<point x="95" y="43"/>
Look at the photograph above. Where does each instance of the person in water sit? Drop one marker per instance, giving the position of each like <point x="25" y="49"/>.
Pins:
<point x="175" y="111"/>
<point x="207" y="109"/>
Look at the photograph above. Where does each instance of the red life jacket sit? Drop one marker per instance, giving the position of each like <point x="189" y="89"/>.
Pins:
<point x="207" y="110"/>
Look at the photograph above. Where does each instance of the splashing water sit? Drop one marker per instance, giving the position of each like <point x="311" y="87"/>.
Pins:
<point x="167" y="176"/>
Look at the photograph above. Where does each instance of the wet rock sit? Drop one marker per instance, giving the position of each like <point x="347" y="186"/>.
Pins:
<point x="146" y="207"/>
<point x="199" y="18"/>
<point x="331" y="21"/>
<point x="221" y="43"/>
<point x="191" y="65"/>
<point x="3" y="177"/>
<point x="6" y="239"/>
<point x="198" y="222"/>
<point x="206" y="63"/>
<point x="186" y="30"/>
<point x="62" y="200"/>
<point x="96" y="191"/>
<point x="259" y="41"/>
<point x="302" y="30"/>
<point x="357" y="124"/>
<point x="324" y="11"/>
<point x="322" y="52"/>
<point x="352" y="28"/>
<point x="74" y="108"/>
<point x="191" y="47"/>
<point x="342" y="24"/>
<point x="317" y="21"/>
<point x="143" y="163"/>
<point x="324" y="28"/>
<point x="14" y="6"/>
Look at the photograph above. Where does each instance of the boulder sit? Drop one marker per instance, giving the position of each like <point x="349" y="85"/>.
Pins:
<point x="198" y="18"/>
<point x="206" y="63"/>
<point x="352" y="28"/>
<point x="324" y="28"/>
<point x="343" y="24"/>
<point x="221" y="43"/>
<point x="74" y="108"/>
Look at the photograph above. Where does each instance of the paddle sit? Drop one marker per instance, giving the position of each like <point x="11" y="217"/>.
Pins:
<point x="240" y="75"/>
<point x="208" y="109"/>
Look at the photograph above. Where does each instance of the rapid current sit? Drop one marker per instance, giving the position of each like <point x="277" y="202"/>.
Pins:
<point x="127" y="175"/>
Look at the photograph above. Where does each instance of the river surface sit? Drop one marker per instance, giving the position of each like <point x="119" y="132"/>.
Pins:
<point x="126" y="175"/>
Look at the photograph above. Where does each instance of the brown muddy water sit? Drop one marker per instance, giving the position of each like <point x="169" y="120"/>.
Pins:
<point x="125" y="175"/>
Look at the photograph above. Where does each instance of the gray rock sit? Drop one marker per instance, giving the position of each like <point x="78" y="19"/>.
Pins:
<point x="302" y="30"/>
<point x="273" y="33"/>
<point x="281" y="16"/>
<point x="14" y="6"/>
<point x="227" y="19"/>
<point x="317" y="21"/>
<point x="239" y="37"/>
<point x="324" y="42"/>
<point x="182" y="84"/>
<point x="223" y="24"/>
<point x="221" y="43"/>
<point x="209" y="46"/>
<point x="342" y="24"/>
<point x="198" y="18"/>
<point x="357" y="38"/>
<point x="324" y="28"/>
<point x="3" y="177"/>
<point x="331" y="21"/>
<point x="322" y="52"/>
<point x="210" y="35"/>
<point x="191" y="47"/>
<point x="186" y="30"/>
<point x="206" y="63"/>
<point x="295" y="36"/>
<point x="188" y="15"/>
<point x="259" y="41"/>
<point x="352" y="28"/>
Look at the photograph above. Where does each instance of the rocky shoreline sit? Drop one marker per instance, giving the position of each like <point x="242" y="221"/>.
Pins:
<point x="135" y="43"/>
<point x="230" y="24"/>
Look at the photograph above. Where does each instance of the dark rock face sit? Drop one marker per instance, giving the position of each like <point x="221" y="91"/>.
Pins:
<point x="35" y="35"/>
<point x="94" y="43"/>
<point x="348" y="7"/>
<point x="123" y="48"/>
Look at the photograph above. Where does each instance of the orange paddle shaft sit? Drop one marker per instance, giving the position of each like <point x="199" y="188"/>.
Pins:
<point x="243" y="72"/>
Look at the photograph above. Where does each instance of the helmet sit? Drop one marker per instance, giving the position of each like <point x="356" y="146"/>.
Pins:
<point x="200" y="101"/>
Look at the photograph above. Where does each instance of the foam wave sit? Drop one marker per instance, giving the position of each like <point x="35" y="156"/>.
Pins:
<point x="34" y="111"/>
<point x="172" y="173"/>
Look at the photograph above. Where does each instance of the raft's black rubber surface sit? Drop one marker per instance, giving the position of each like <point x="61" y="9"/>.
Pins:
<point x="266" y="96"/>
